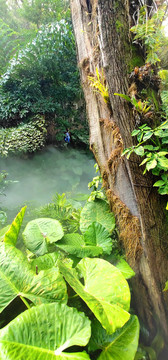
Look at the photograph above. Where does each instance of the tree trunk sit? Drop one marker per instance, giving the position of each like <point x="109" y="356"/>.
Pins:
<point x="102" y="36"/>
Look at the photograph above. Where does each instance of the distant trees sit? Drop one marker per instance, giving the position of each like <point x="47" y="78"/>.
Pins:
<point x="39" y="74"/>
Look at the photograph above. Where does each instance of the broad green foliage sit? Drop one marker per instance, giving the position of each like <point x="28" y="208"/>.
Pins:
<point x="96" y="241"/>
<point x="97" y="235"/>
<point x="45" y="262"/>
<point x="98" y="211"/>
<point x="125" y="269"/>
<point x="105" y="291"/>
<point x="49" y="327"/>
<point x="41" y="232"/>
<point x="75" y="244"/>
<point x="11" y="235"/>
<point x="44" y="332"/>
<point x="121" y="345"/>
<point x="24" y="138"/>
<point x="18" y="279"/>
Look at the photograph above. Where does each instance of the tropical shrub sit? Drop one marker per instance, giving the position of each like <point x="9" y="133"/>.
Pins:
<point x="50" y="326"/>
<point x="40" y="79"/>
<point x="26" y="138"/>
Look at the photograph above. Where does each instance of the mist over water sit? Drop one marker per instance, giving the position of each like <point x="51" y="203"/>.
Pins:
<point x="43" y="174"/>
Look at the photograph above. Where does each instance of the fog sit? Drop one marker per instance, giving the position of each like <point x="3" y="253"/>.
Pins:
<point x="40" y="176"/>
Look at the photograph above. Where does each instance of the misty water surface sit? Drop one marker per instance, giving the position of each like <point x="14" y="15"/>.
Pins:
<point x="43" y="174"/>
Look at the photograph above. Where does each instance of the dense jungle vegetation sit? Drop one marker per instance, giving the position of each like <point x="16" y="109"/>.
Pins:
<point x="64" y="292"/>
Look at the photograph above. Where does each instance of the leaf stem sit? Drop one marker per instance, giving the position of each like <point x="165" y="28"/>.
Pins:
<point x="25" y="302"/>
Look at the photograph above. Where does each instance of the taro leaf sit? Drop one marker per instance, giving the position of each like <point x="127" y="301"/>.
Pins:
<point x="74" y="244"/>
<point x="3" y="232"/>
<point x="98" y="211"/>
<point x="18" y="279"/>
<point x="97" y="235"/>
<point x="44" y="332"/>
<point x="12" y="233"/>
<point x="105" y="291"/>
<point x="45" y="262"/>
<point x="120" y="345"/>
<point x="41" y="231"/>
<point x="125" y="269"/>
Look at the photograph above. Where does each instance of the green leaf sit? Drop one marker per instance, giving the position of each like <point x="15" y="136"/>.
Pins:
<point x="139" y="150"/>
<point x="18" y="279"/>
<point x="135" y="132"/>
<point x="98" y="211"/>
<point x="151" y="164"/>
<point x="121" y="345"/>
<point x="41" y="231"/>
<point x="163" y="162"/>
<point x="74" y="244"/>
<point x="11" y="235"/>
<point x="105" y="291"/>
<point x="125" y="269"/>
<point x="147" y="135"/>
<point x="97" y="235"/>
<point x="144" y="161"/>
<point x="148" y="147"/>
<point x="44" y="262"/>
<point x="126" y="97"/>
<point x="44" y="332"/>
<point x="159" y="183"/>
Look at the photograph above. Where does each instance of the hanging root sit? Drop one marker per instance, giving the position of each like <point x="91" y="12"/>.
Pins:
<point x="129" y="228"/>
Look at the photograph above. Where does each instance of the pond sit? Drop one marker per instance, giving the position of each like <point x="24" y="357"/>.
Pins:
<point x="39" y="177"/>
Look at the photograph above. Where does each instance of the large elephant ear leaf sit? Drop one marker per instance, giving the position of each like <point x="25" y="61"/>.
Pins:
<point x="74" y="244"/>
<point x="105" y="291"/>
<point x="12" y="233"/>
<point x="97" y="235"/>
<point x="99" y="211"/>
<point x="120" y="345"/>
<point x="39" y="232"/>
<point x="44" y="332"/>
<point x="18" y="279"/>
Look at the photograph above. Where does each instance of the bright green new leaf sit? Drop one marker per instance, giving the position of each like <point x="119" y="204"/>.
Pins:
<point x="11" y="235"/>
<point x="151" y="164"/>
<point x="159" y="183"/>
<point x="97" y="235"/>
<point x="44" y="332"/>
<point x="18" y="279"/>
<point x="39" y="232"/>
<point x="121" y="345"/>
<point x="99" y="211"/>
<point x="105" y="291"/>
<point x="163" y="162"/>
<point x="147" y="135"/>
<point x="125" y="269"/>
<point x="74" y="244"/>
<point x="139" y="150"/>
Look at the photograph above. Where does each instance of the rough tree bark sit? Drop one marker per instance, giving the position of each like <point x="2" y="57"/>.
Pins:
<point x="102" y="36"/>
